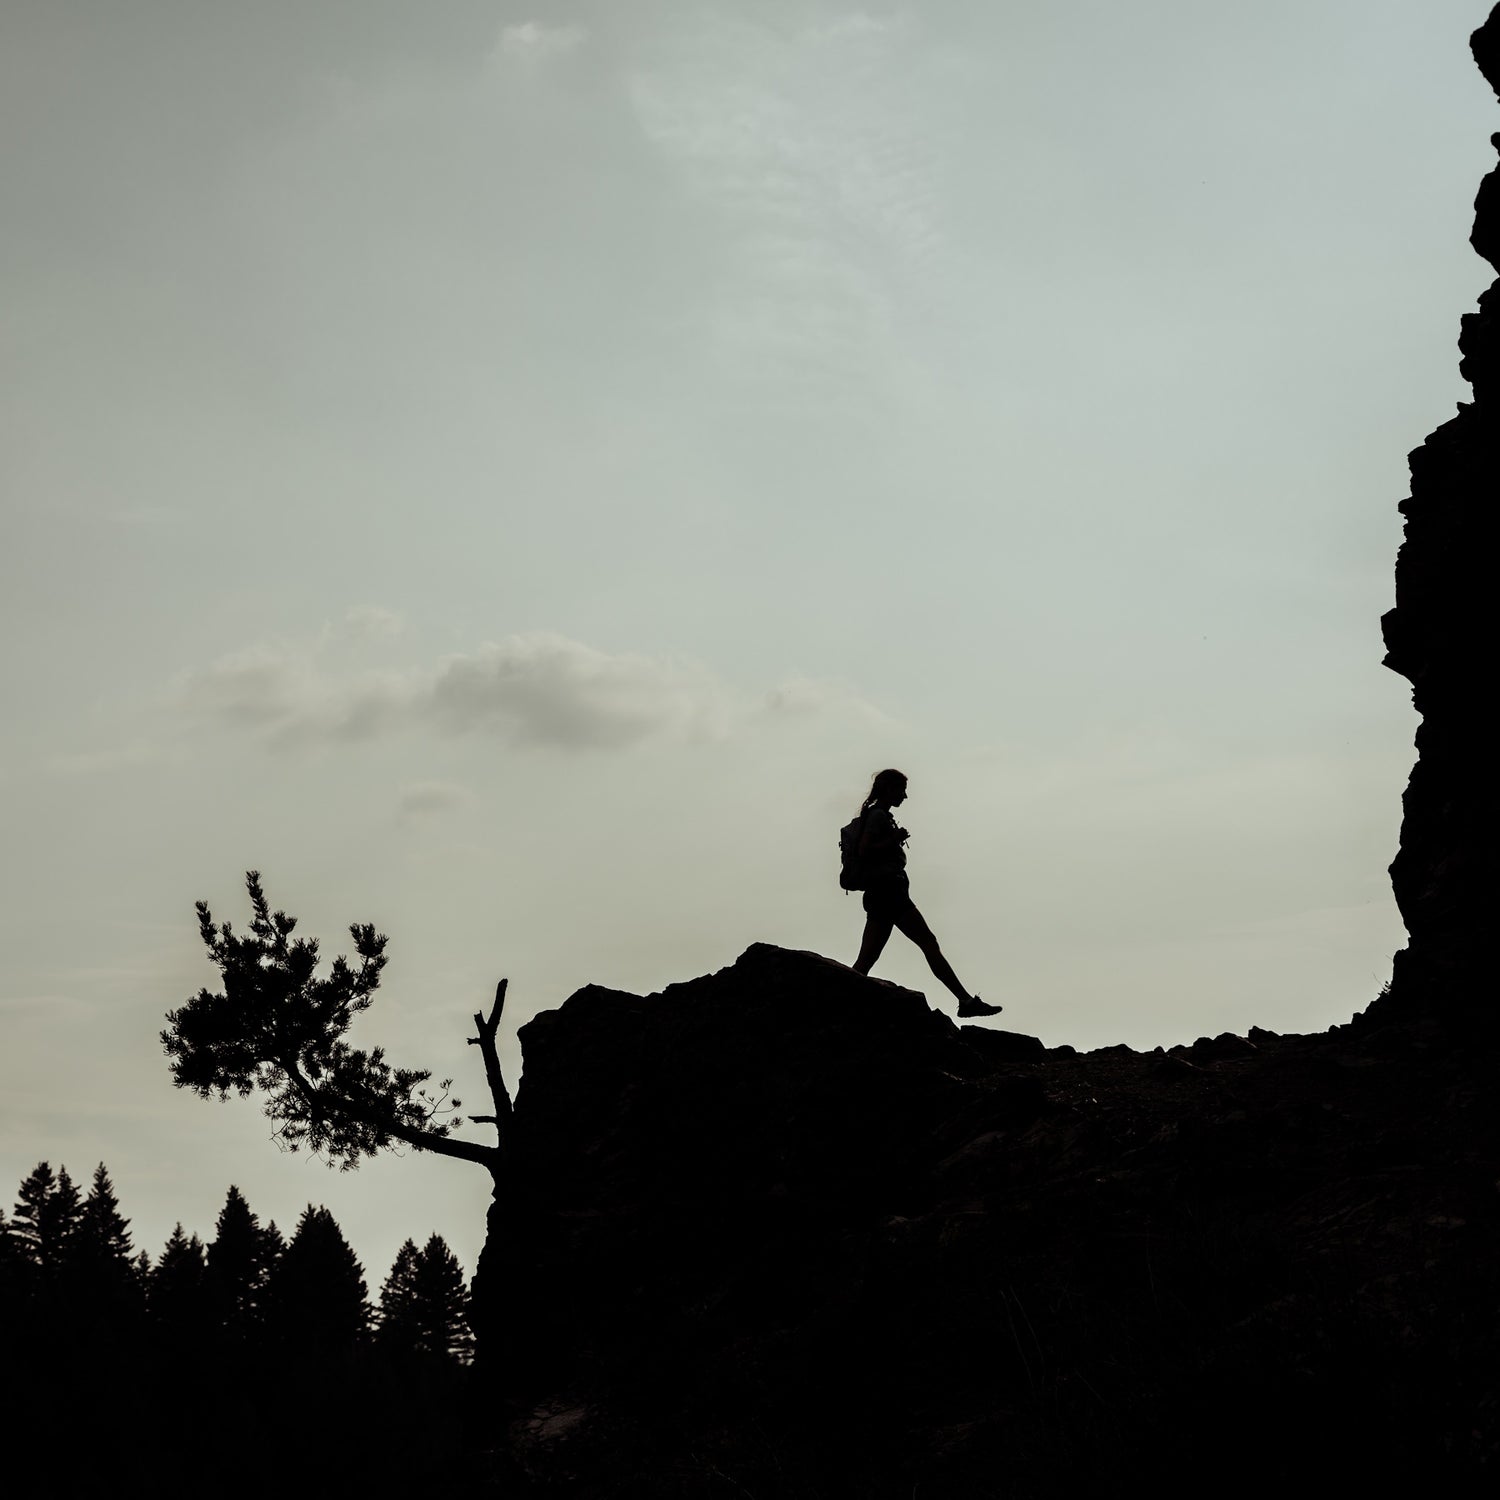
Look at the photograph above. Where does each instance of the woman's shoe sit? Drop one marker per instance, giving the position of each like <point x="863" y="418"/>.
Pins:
<point x="974" y="1006"/>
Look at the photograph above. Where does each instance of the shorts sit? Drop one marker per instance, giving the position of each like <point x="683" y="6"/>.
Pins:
<point x="888" y="896"/>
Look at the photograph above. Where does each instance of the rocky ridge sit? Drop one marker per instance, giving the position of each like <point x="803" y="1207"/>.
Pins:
<point x="788" y="1231"/>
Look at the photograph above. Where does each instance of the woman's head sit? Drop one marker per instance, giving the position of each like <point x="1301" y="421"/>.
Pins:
<point x="889" y="787"/>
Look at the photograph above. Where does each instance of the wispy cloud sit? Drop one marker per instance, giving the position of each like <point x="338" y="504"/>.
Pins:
<point x="537" y="689"/>
<point x="803" y="697"/>
<point x="545" y="689"/>
<point x="371" y="622"/>
<point x="811" y="143"/>
<point x="530" y="44"/>
<point x="424" y="798"/>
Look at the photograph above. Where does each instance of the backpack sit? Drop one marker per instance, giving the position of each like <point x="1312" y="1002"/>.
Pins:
<point x="853" y="874"/>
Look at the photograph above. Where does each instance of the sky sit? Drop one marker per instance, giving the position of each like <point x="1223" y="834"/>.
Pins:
<point x="511" y="472"/>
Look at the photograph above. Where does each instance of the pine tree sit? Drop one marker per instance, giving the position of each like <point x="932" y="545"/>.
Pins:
<point x="442" y="1303"/>
<point x="397" y="1332"/>
<point x="278" y="1029"/>
<point x="60" y="1221"/>
<point x="316" y="1297"/>
<point x="33" y="1196"/>
<point x="423" y="1305"/>
<point x="175" y="1295"/>
<point x="15" y="1268"/>
<point x="236" y="1267"/>
<point x="101" y="1235"/>
<point x="47" y="1212"/>
<point x="99" y="1278"/>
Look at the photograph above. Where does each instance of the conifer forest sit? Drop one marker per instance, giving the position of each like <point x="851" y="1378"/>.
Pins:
<point x="221" y="1355"/>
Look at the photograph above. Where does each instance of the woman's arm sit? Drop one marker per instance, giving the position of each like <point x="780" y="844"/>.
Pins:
<point x="880" y="832"/>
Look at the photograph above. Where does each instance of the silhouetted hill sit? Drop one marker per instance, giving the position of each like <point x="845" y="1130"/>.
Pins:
<point x="788" y="1231"/>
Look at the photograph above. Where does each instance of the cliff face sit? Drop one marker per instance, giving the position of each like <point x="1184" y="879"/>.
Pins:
<point x="785" y="1231"/>
<point x="1442" y="636"/>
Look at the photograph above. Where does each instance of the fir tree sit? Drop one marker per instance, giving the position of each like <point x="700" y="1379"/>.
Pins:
<point x="47" y="1213"/>
<point x="397" y="1331"/>
<point x="272" y="1244"/>
<point x="175" y="1295"/>
<point x="316" y="1297"/>
<point x="237" y="1264"/>
<point x="442" y="1303"/>
<point x="60" y="1221"/>
<point x="15" y="1267"/>
<point x="99" y="1280"/>
<point x="32" y="1212"/>
<point x="101" y="1236"/>
<point x="423" y="1304"/>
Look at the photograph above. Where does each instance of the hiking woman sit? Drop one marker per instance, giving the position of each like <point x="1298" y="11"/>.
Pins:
<point x="887" y="900"/>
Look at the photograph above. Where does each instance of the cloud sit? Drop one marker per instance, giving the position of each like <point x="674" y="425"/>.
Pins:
<point x="371" y="622"/>
<point x="801" y="697"/>
<point x="853" y="27"/>
<point x="423" y="798"/>
<point x="544" y="689"/>
<point x="262" y="687"/>
<point x="532" y="689"/>
<point x="536" y="689"/>
<point x="816" y="144"/>
<point x="531" y="44"/>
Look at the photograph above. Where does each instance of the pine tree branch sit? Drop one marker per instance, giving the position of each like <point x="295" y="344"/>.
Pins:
<point x="488" y="1049"/>
<point x="326" y="1104"/>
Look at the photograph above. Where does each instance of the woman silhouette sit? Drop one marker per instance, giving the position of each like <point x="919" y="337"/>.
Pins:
<point x="888" y="901"/>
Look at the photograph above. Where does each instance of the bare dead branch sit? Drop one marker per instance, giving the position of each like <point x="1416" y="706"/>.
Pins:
<point x="487" y="1027"/>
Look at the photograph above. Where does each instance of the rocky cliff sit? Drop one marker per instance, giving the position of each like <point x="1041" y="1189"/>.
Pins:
<point x="1442" y="635"/>
<point x="789" y="1232"/>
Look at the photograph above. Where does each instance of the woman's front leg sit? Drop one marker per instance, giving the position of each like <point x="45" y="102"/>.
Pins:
<point x="914" y="925"/>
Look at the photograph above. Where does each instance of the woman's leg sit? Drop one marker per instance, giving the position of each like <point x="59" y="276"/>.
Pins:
<point x="914" y="925"/>
<point x="877" y="931"/>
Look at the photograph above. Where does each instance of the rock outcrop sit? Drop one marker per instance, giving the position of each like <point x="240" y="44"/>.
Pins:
<point x="1443" y="636"/>
<point x="786" y="1231"/>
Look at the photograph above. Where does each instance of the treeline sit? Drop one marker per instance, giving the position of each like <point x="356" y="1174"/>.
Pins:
<point x="66" y="1267"/>
<point x="251" y="1338"/>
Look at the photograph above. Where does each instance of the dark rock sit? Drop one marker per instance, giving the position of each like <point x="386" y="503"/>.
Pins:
<point x="1116" y="1049"/>
<point x="1003" y="1046"/>
<point x="783" y="1067"/>
<point x="1225" y="1045"/>
<point x="1174" y="1066"/>
<point x="777" y="1224"/>
<point x="1442" y="636"/>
